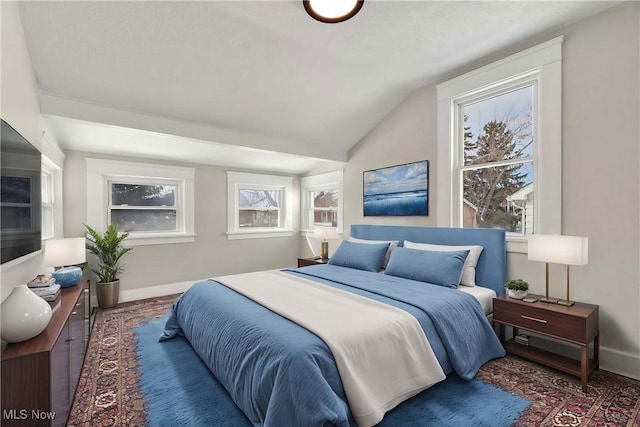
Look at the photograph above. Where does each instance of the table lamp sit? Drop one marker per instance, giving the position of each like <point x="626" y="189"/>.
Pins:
<point x="569" y="250"/>
<point x="325" y="232"/>
<point x="65" y="253"/>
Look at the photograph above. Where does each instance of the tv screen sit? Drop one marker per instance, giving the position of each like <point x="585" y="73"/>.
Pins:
<point x="20" y="176"/>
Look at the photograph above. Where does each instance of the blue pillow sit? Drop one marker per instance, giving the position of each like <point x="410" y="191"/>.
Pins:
<point x="439" y="268"/>
<point x="363" y="256"/>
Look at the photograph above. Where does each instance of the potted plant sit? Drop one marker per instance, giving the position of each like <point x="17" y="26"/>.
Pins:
<point x="108" y="248"/>
<point x="516" y="288"/>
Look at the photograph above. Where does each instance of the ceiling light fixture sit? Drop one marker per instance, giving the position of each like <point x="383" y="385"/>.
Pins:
<point x="332" y="11"/>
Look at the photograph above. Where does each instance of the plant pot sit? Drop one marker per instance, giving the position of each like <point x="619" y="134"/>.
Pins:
<point x="108" y="294"/>
<point x="516" y="294"/>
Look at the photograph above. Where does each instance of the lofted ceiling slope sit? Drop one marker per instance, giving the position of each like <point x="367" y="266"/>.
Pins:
<point x="257" y="74"/>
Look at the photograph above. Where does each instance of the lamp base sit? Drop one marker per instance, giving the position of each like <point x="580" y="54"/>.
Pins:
<point x="324" y="249"/>
<point x="566" y="303"/>
<point x="67" y="276"/>
<point x="549" y="300"/>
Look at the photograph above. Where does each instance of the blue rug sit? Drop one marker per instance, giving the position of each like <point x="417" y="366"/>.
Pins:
<point x="179" y="390"/>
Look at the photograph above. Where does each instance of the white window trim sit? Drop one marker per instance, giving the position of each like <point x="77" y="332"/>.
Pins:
<point x="100" y="172"/>
<point x="56" y="181"/>
<point x="238" y="180"/>
<point x="53" y="162"/>
<point x="544" y="62"/>
<point x="323" y="181"/>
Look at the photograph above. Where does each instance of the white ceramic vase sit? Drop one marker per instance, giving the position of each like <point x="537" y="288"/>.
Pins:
<point x="24" y="315"/>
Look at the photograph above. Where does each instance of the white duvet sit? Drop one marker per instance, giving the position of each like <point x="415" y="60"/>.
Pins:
<point x="381" y="352"/>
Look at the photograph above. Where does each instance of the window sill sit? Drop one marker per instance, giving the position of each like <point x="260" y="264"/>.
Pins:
<point x="517" y="244"/>
<point x="309" y="233"/>
<point x="258" y="234"/>
<point x="159" y="239"/>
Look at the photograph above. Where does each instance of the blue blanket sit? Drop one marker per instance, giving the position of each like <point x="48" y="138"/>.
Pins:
<point x="280" y="374"/>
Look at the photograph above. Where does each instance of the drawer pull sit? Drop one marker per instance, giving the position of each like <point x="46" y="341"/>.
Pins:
<point x="71" y="339"/>
<point x="75" y="312"/>
<point x="533" y="318"/>
<point x="78" y="304"/>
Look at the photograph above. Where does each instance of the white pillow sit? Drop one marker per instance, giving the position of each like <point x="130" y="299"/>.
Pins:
<point x="392" y="244"/>
<point x="468" y="277"/>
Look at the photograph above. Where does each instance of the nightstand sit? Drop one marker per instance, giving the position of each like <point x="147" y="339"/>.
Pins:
<point x="305" y="262"/>
<point x="577" y="324"/>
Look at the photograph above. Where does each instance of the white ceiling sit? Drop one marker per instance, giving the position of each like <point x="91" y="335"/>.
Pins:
<point x="283" y="82"/>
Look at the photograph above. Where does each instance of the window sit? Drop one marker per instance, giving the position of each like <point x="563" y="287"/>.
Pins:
<point x="258" y="205"/>
<point x="259" y="208"/>
<point x="321" y="200"/>
<point x="499" y="145"/>
<point x="51" y="189"/>
<point x="496" y="137"/>
<point x="154" y="203"/>
<point x="324" y="207"/>
<point x="48" y="203"/>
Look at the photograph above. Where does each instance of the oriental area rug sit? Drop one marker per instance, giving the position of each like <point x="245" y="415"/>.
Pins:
<point x="129" y="379"/>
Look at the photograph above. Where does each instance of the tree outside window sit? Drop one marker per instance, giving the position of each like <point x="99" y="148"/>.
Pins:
<point x="498" y="159"/>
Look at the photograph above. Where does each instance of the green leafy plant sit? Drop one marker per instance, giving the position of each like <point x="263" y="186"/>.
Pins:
<point x="108" y="248"/>
<point x="517" y="285"/>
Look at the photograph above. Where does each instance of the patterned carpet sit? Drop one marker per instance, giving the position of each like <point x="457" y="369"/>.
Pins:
<point x="109" y="394"/>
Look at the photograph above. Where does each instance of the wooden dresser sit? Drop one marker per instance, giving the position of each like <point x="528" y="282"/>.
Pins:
<point x="39" y="376"/>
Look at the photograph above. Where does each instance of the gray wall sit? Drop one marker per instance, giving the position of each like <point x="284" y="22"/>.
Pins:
<point x="601" y="192"/>
<point x="210" y="255"/>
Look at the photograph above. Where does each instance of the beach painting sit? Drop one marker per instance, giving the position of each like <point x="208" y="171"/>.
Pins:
<point x="397" y="190"/>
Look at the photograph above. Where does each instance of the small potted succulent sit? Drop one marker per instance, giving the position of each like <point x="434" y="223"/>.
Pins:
<point x="516" y="288"/>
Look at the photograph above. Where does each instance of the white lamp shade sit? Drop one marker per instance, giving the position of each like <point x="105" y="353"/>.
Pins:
<point x="63" y="252"/>
<point x="325" y="232"/>
<point x="569" y="250"/>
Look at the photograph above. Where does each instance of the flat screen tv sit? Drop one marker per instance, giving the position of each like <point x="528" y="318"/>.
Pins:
<point x="20" y="195"/>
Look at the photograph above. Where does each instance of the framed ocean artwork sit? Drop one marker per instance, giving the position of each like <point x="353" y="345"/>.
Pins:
<point x="401" y="190"/>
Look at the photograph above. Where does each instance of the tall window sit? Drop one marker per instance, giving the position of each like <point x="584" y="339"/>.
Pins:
<point x="499" y="145"/>
<point x="321" y="200"/>
<point x="497" y="142"/>
<point x="154" y="203"/>
<point x="258" y="205"/>
<point x="48" y="204"/>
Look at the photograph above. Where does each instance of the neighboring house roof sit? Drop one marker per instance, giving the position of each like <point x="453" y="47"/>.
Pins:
<point x="471" y="205"/>
<point x="521" y="194"/>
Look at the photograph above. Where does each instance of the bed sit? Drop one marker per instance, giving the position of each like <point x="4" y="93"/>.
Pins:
<point x="369" y="339"/>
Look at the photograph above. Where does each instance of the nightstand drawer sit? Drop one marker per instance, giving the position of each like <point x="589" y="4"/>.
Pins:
<point x="540" y="320"/>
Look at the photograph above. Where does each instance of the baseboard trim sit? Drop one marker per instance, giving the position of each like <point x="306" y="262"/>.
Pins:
<point x="620" y="362"/>
<point x="150" y="292"/>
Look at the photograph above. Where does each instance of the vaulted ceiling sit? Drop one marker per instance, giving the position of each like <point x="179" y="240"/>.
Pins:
<point x="194" y="81"/>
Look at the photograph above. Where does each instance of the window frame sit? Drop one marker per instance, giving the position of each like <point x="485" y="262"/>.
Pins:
<point x="53" y="161"/>
<point x="237" y="181"/>
<point x="48" y="170"/>
<point x="541" y="64"/>
<point x="325" y="181"/>
<point x="146" y="181"/>
<point x="526" y="80"/>
<point x="102" y="173"/>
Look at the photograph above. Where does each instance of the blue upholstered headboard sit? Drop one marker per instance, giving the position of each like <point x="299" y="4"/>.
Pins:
<point x="491" y="271"/>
